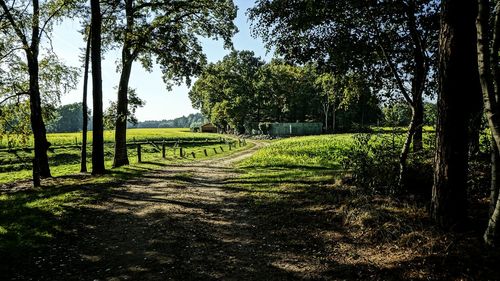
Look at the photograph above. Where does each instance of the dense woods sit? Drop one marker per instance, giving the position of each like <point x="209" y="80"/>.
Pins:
<point x="417" y="83"/>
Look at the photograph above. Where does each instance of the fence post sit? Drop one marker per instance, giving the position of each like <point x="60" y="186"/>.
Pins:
<point x="139" y="156"/>
<point x="215" y="150"/>
<point x="163" y="152"/>
<point x="229" y="146"/>
<point x="221" y="149"/>
<point x="194" y="154"/>
<point x="180" y="153"/>
<point x="205" y="151"/>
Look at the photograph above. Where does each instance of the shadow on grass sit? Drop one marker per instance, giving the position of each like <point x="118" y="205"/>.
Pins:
<point x="274" y="224"/>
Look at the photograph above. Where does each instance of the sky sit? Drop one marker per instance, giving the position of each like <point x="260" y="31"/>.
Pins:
<point x="160" y="103"/>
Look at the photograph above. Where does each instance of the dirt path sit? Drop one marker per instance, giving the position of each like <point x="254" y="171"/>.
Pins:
<point x="182" y="223"/>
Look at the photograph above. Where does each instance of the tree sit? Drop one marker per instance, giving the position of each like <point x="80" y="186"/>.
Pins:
<point x="226" y="91"/>
<point x="110" y="114"/>
<point x="95" y="50"/>
<point x="168" y="31"/>
<point x="85" y="117"/>
<point x="488" y="46"/>
<point x="39" y="20"/>
<point x="457" y="68"/>
<point x="68" y="118"/>
<point x="392" y="43"/>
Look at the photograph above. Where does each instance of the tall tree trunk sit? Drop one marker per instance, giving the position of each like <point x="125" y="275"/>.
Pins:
<point x="97" y="122"/>
<point x="490" y="82"/>
<point x="457" y="53"/>
<point x="41" y="163"/>
<point x="419" y="76"/>
<point x="121" y="157"/>
<point x="83" y="162"/>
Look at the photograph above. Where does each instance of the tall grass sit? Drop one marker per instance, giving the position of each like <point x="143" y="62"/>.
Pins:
<point x="109" y="136"/>
<point x="324" y="151"/>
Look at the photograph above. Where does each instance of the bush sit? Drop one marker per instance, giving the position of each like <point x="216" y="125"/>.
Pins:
<point x="373" y="163"/>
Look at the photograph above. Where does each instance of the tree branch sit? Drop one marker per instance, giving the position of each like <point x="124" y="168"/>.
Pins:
<point x="14" y="25"/>
<point x="42" y="30"/>
<point x="13" y="96"/>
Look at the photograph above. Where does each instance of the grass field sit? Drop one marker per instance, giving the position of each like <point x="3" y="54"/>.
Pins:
<point x="57" y="139"/>
<point x="16" y="165"/>
<point x="295" y="190"/>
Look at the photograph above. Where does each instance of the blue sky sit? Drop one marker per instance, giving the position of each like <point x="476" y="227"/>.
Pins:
<point x="160" y="103"/>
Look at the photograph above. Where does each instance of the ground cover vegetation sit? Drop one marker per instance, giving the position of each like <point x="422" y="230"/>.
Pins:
<point x="392" y="202"/>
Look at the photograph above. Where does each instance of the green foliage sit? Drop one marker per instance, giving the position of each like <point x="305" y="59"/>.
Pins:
<point x="64" y="158"/>
<point x="348" y="36"/>
<point x="226" y="91"/>
<point x="430" y="113"/>
<point x="168" y="33"/>
<point x="68" y="118"/>
<point x="111" y="113"/>
<point x="373" y="162"/>
<point x="397" y="114"/>
<point x="321" y="152"/>
<point x="242" y="91"/>
<point x="190" y="121"/>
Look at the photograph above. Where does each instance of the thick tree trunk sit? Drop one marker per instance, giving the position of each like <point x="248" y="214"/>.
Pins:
<point x="97" y="122"/>
<point x="121" y="157"/>
<point x="41" y="162"/>
<point x="122" y="102"/>
<point x="474" y="132"/>
<point x="457" y="60"/>
<point x="83" y="166"/>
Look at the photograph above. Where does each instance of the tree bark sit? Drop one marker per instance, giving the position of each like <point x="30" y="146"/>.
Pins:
<point x="418" y="120"/>
<point x="97" y="122"/>
<point x="457" y="56"/>
<point x="490" y="81"/>
<point x="491" y="235"/>
<point x="41" y="162"/>
<point x="83" y="166"/>
<point x="121" y="157"/>
<point x="405" y="151"/>
<point x="419" y="77"/>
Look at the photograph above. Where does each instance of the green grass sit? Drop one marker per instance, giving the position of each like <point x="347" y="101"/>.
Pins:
<point x="16" y="165"/>
<point x="30" y="219"/>
<point x="132" y="134"/>
<point x="317" y="151"/>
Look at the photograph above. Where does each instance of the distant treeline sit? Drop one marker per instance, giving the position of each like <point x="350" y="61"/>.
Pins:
<point x="69" y="117"/>
<point x="189" y="121"/>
